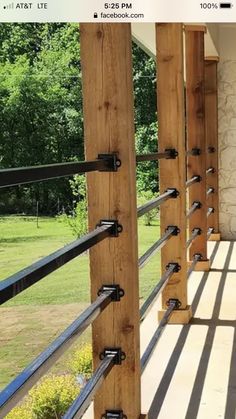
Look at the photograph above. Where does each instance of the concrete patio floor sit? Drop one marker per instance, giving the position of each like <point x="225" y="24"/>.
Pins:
<point x="192" y="372"/>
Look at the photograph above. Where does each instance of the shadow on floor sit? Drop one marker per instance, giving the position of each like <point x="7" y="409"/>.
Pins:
<point x="195" y="398"/>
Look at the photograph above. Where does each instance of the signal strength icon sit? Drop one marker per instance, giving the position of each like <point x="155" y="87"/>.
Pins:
<point x="9" y="6"/>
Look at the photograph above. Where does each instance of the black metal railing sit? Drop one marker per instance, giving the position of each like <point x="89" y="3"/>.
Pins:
<point x="210" y="191"/>
<point x="173" y="305"/>
<point x="154" y="203"/>
<point x="170" y="232"/>
<point x="195" y="233"/>
<point x="210" y="211"/>
<point x="19" y="387"/>
<point x="210" y="170"/>
<point x="210" y="232"/>
<point x="193" y="180"/>
<point x="169" y="153"/>
<point x="22" y="175"/>
<point x="195" y="206"/>
<point x="27" y="277"/>
<point x="170" y="270"/>
<point x="197" y="258"/>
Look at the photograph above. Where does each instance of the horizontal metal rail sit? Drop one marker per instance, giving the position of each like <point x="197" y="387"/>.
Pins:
<point x="210" y="211"/>
<point x="149" y="351"/>
<point x="19" y="387"/>
<point x="210" y="170"/>
<point x="195" y="206"/>
<point x="170" y="231"/>
<point x="196" y="232"/>
<point x="154" y="203"/>
<point x="146" y="307"/>
<point x="194" y="152"/>
<point x="194" y="179"/>
<point x="210" y="232"/>
<point x="196" y="259"/>
<point x="210" y="191"/>
<point x="22" y="175"/>
<point x="25" y="278"/>
<point x="167" y="154"/>
<point x="86" y="396"/>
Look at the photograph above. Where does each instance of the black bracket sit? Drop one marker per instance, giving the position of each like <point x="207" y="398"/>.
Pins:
<point x="198" y="230"/>
<point x="211" y="150"/>
<point x="174" y="301"/>
<point x="116" y="353"/>
<point x="174" y="192"/>
<point x="117" y="292"/>
<point x="197" y="256"/>
<point x="176" y="230"/>
<point x="116" y="227"/>
<point x="172" y="153"/>
<point x="177" y="267"/>
<point x="112" y="162"/>
<point x="198" y="204"/>
<point x="211" y="170"/>
<point x="195" y="152"/>
<point x="199" y="178"/>
<point x="114" y="414"/>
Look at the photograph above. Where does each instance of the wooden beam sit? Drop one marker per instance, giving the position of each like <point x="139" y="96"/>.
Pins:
<point x="195" y="28"/>
<point x="106" y="56"/>
<point x="195" y="110"/>
<point x="211" y="111"/>
<point x="171" y="129"/>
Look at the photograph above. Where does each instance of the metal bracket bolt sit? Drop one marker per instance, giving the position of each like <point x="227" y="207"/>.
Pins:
<point x="116" y="227"/>
<point x="177" y="267"/>
<point x="197" y="230"/>
<point x="199" y="178"/>
<point x="172" y="153"/>
<point x="174" y="192"/>
<point x="112" y="162"/>
<point x="197" y="256"/>
<point x="198" y="204"/>
<point x="117" y="292"/>
<point x="174" y="301"/>
<point x="176" y="230"/>
<point x="117" y="353"/>
<point x="114" y="414"/>
<point x="211" y="149"/>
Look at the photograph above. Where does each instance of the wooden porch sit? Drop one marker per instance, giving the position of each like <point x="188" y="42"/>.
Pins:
<point x="190" y="371"/>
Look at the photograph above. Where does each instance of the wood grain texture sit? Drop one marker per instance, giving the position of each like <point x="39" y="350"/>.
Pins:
<point x="211" y="112"/>
<point x="195" y="110"/>
<point x="106" y="57"/>
<point x="171" y="128"/>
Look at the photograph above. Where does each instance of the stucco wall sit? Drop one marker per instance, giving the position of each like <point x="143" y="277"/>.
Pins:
<point x="227" y="132"/>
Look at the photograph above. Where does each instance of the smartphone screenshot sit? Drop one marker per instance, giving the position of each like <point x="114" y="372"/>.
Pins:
<point x="117" y="209"/>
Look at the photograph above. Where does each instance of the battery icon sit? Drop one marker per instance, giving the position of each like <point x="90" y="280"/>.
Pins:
<point x="225" y="5"/>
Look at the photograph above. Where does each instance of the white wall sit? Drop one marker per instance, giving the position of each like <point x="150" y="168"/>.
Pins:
<point x="227" y="130"/>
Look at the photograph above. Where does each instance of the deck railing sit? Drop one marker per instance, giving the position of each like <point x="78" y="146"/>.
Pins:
<point x="114" y="313"/>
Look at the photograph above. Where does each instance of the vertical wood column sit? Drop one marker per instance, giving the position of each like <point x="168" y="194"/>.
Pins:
<point x="195" y="103"/>
<point x="211" y="112"/>
<point x="171" y="129"/>
<point x="106" y="56"/>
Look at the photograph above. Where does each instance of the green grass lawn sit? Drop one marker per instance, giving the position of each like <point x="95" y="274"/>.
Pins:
<point x="31" y="320"/>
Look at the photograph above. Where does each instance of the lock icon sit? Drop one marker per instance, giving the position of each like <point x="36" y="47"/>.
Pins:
<point x="95" y="15"/>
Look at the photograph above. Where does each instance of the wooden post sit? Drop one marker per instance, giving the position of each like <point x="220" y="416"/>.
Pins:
<point x="211" y="111"/>
<point x="106" y="56"/>
<point x="195" y="102"/>
<point x="171" y="128"/>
